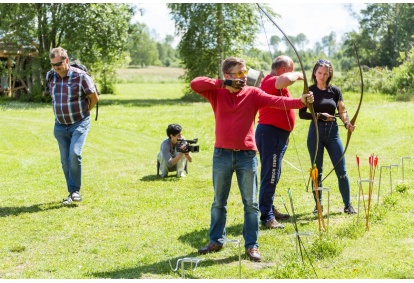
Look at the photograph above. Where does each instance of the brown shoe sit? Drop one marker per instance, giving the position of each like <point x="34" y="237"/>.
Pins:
<point x="280" y="216"/>
<point x="253" y="254"/>
<point x="210" y="248"/>
<point x="273" y="224"/>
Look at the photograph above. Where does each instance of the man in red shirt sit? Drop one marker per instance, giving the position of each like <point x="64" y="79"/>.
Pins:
<point x="235" y="106"/>
<point x="272" y="138"/>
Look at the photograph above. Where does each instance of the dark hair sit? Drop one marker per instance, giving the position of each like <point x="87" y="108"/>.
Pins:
<point x="58" y="51"/>
<point x="230" y="63"/>
<point x="173" y="129"/>
<point x="323" y="63"/>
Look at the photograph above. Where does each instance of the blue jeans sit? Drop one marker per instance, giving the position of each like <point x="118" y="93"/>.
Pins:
<point x="71" y="140"/>
<point x="244" y="163"/>
<point x="329" y="139"/>
<point x="272" y="144"/>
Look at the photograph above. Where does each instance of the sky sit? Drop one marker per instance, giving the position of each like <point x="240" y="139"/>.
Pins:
<point x="315" y="20"/>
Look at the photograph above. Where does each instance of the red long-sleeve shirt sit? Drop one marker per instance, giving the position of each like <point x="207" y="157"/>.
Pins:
<point x="283" y="119"/>
<point x="235" y="112"/>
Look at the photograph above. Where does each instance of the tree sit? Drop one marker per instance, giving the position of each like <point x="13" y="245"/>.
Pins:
<point x="274" y="42"/>
<point x="329" y="43"/>
<point x="210" y="32"/>
<point x="386" y="30"/>
<point x="142" y="50"/>
<point x="95" y="34"/>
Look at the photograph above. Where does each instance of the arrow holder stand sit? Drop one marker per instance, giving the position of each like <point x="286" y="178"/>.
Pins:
<point x="394" y="165"/>
<point x="379" y="183"/>
<point x="238" y="243"/>
<point x="191" y="260"/>
<point x="297" y="241"/>
<point x="360" y="190"/>
<point x="402" y="165"/>
<point x="321" y="189"/>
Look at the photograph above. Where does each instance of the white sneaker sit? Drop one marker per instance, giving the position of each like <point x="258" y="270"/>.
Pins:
<point x="181" y="174"/>
<point x="76" y="196"/>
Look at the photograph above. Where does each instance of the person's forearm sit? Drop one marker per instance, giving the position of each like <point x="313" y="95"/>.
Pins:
<point x="93" y="100"/>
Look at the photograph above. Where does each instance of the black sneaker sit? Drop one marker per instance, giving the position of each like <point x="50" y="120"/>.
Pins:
<point x="315" y="210"/>
<point x="349" y="209"/>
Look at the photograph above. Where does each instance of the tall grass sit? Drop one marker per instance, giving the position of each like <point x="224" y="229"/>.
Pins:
<point x="132" y="224"/>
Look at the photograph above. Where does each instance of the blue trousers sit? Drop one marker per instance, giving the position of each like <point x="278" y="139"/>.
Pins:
<point x="272" y="144"/>
<point x="71" y="140"/>
<point x="329" y="139"/>
<point x="244" y="163"/>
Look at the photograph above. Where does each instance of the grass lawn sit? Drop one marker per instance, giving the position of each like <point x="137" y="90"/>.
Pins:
<point x="131" y="224"/>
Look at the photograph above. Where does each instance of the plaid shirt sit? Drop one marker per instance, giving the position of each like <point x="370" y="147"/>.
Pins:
<point x="69" y="95"/>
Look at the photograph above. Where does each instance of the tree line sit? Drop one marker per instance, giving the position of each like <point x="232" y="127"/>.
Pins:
<point x="104" y="37"/>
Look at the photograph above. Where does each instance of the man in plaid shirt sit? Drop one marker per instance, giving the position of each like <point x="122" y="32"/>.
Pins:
<point x="73" y="96"/>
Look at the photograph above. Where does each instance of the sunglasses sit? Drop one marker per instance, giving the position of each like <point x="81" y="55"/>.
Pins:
<point x="322" y="61"/>
<point x="58" y="63"/>
<point x="239" y="74"/>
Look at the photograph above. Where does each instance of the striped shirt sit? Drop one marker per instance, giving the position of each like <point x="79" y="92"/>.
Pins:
<point x="69" y="95"/>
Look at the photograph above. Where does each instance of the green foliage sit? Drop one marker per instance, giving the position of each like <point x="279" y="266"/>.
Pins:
<point x="398" y="82"/>
<point x="35" y="95"/>
<point x="95" y="34"/>
<point x="386" y="30"/>
<point x="402" y="188"/>
<point x="142" y="49"/>
<point x="325" y="248"/>
<point x="210" y="32"/>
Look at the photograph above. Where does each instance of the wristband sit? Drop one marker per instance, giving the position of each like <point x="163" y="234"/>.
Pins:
<point x="346" y="124"/>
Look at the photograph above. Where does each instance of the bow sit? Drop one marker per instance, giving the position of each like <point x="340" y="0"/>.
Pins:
<point x="305" y="82"/>
<point x="353" y="120"/>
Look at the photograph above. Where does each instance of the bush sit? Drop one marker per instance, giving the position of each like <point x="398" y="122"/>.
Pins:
<point x="402" y="188"/>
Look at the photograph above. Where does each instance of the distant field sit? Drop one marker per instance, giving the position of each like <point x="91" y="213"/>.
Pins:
<point x="149" y="74"/>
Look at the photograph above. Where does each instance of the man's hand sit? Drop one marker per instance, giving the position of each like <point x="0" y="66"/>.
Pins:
<point x="307" y="97"/>
<point x="239" y="84"/>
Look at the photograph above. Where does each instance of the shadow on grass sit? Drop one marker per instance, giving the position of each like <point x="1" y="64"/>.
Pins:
<point x="144" y="102"/>
<point x="169" y="178"/>
<point x="163" y="268"/>
<point x="9" y="211"/>
<point x="16" y="104"/>
<point x="196" y="239"/>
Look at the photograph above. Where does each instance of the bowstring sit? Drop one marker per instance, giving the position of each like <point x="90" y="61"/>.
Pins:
<point x="287" y="116"/>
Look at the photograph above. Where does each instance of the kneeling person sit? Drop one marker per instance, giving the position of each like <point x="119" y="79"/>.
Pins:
<point x="168" y="157"/>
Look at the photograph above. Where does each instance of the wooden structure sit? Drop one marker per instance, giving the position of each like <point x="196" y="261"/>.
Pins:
<point x="13" y="60"/>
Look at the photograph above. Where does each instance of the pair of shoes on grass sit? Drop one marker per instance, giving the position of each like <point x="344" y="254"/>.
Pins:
<point x="73" y="197"/>
<point x="348" y="209"/>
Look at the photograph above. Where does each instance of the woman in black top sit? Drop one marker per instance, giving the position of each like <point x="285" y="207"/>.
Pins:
<point x="328" y="99"/>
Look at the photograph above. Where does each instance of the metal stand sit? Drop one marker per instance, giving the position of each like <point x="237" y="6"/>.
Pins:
<point x="394" y="165"/>
<point x="379" y="183"/>
<point x="238" y="243"/>
<point x="183" y="260"/>
<point x="329" y="197"/>
<point x="297" y="235"/>
<point x="359" y="192"/>
<point x="402" y="165"/>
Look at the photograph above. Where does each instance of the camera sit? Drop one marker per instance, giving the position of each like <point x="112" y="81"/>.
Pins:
<point x="189" y="147"/>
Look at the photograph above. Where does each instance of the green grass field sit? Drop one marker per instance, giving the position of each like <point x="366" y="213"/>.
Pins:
<point x="131" y="224"/>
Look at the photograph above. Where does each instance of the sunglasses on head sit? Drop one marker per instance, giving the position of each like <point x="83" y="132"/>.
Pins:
<point x="322" y="61"/>
<point x="58" y="63"/>
<point x="239" y="74"/>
